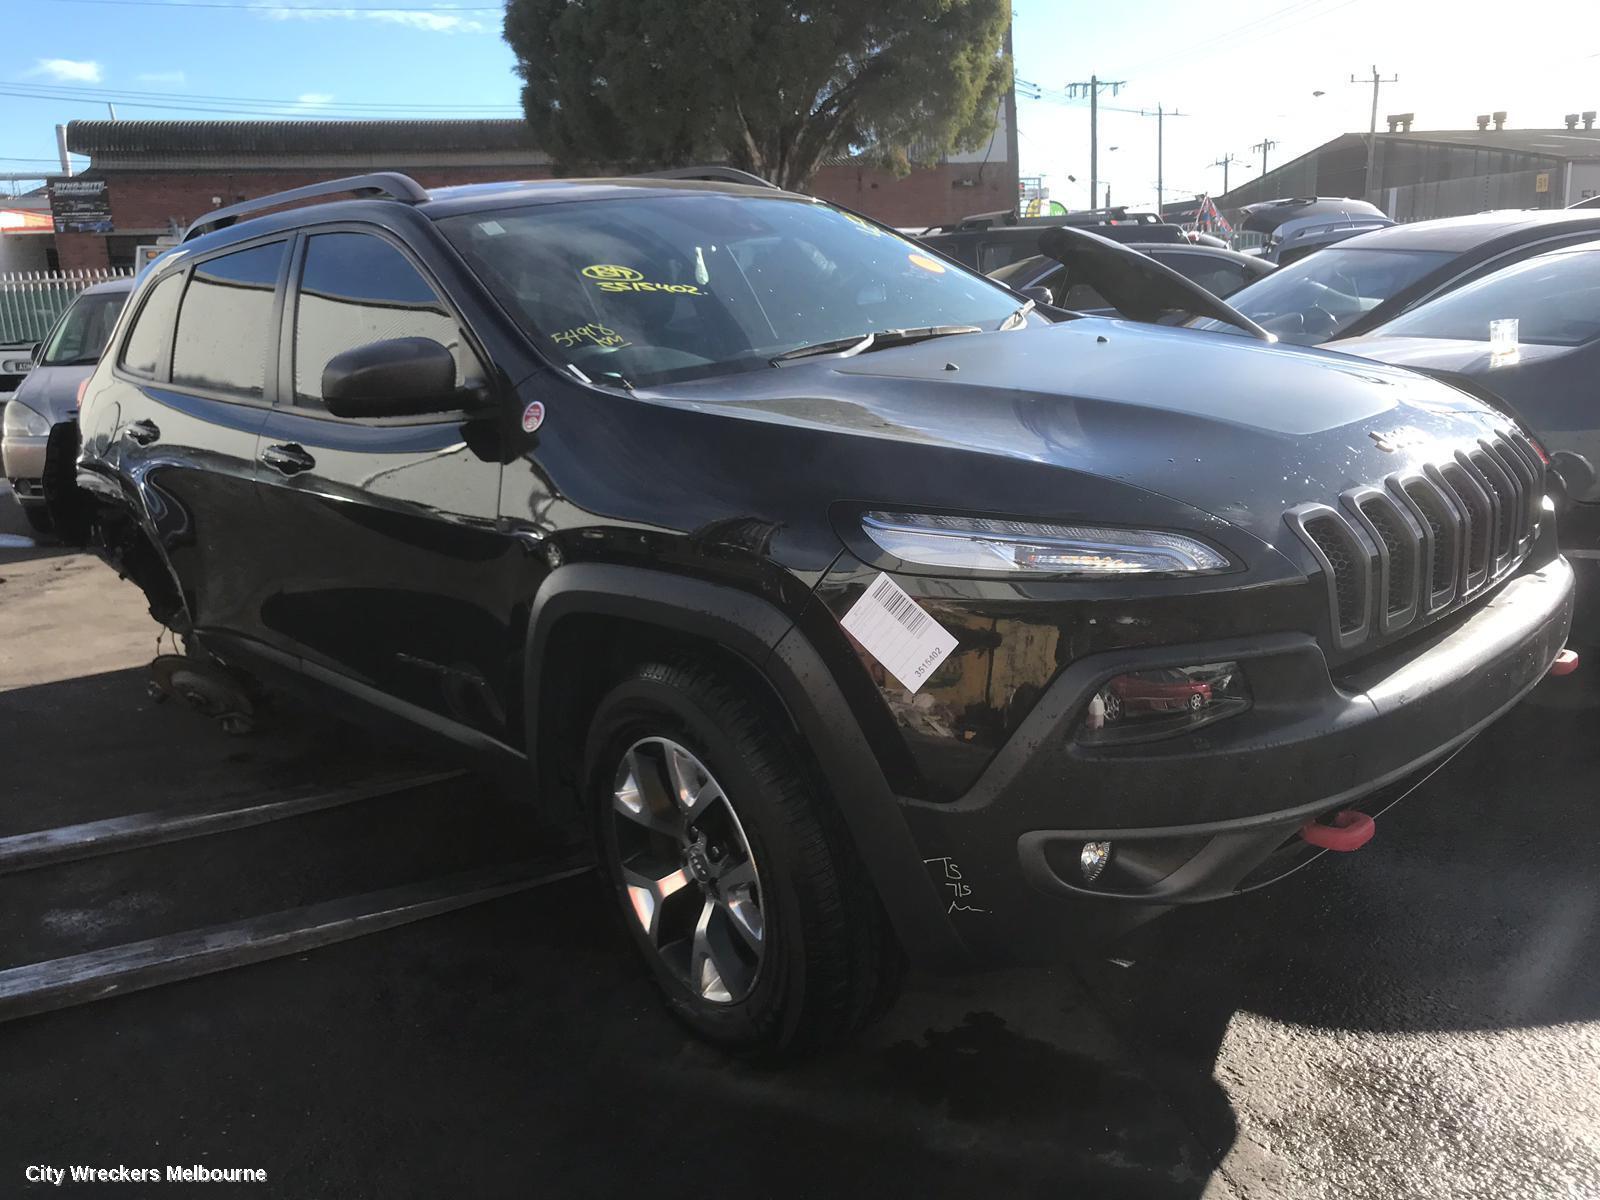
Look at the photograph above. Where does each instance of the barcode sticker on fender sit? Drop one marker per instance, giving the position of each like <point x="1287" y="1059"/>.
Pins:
<point x="898" y="632"/>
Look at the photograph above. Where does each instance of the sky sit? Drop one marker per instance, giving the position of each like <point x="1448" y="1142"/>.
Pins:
<point x="1240" y="72"/>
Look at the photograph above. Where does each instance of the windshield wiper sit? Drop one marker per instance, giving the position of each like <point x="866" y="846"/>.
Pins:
<point x="880" y="339"/>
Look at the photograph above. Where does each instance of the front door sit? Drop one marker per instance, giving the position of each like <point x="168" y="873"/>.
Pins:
<point x="389" y="571"/>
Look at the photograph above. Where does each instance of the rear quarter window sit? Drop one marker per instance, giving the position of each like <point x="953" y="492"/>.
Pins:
<point x="147" y="340"/>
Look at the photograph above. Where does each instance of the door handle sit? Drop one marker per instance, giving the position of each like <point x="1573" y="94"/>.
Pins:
<point x="141" y="433"/>
<point x="289" y="458"/>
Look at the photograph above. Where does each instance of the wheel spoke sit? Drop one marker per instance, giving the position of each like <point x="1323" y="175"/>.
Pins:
<point x="648" y="894"/>
<point x="741" y="874"/>
<point x="638" y="798"/>
<point x="692" y="786"/>
<point x="744" y="915"/>
<point x="704" y="974"/>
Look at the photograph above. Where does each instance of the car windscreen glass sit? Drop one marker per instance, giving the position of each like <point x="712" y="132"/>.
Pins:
<point x="1318" y="297"/>
<point x="82" y="332"/>
<point x="1555" y="300"/>
<point x="1022" y="272"/>
<point x="666" y="288"/>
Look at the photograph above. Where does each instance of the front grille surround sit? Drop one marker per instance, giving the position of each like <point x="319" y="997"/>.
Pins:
<point x="1394" y="556"/>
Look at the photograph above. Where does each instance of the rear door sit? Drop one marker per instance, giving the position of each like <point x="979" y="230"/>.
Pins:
<point x="389" y="571"/>
<point x="196" y="374"/>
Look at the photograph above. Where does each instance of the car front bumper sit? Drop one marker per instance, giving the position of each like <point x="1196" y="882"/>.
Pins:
<point x="1218" y="811"/>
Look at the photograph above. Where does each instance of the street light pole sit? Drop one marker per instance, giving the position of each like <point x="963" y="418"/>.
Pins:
<point x="1093" y="86"/>
<point x="1160" y="114"/>
<point x="1225" y="162"/>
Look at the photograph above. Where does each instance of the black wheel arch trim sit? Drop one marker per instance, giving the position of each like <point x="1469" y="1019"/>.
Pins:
<point x="767" y="640"/>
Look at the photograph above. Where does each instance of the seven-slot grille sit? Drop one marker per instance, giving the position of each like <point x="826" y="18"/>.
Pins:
<point x="1397" y="554"/>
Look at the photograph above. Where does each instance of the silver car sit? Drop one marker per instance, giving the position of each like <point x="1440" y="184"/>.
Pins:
<point x="49" y="394"/>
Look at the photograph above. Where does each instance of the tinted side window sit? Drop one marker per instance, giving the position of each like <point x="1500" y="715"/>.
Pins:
<point x="354" y="290"/>
<point x="147" y="340"/>
<point x="1217" y="275"/>
<point x="225" y="322"/>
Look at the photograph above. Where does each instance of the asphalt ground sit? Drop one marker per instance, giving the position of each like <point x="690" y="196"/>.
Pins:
<point x="1420" y="1019"/>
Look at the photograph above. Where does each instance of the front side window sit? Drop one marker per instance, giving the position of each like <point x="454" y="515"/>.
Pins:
<point x="147" y="340"/>
<point x="1555" y="300"/>
<point x="356" y="289"/>
<point x="225" y="322"/>
<point x="82" y="333"/>
<point x="661" y="288"/>
<point x="1323" y="294"/>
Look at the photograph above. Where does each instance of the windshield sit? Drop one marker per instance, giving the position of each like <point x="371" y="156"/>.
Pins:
<point x="1017" y="274"/>
<point x="1555" y="300"/>
<point x="1322" y="295"/>
<point x="81" y="334"/>
<point x="664" y="288"/>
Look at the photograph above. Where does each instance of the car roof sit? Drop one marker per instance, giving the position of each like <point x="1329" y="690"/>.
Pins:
<point x="439" y="203"/>
<point x="473" y="197"/>
<point x="1456" y="234"/>
<point x="111" y="285"/>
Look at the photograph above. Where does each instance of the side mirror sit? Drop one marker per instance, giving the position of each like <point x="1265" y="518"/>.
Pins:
<point x="34" y="351"/>
<point x="401" y="377"/>
<point x="1039" y="295"/>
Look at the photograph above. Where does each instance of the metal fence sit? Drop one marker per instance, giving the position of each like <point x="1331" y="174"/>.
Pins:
<point x="30" y="301"/>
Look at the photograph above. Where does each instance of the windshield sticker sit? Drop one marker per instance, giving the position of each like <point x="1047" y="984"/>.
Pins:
<point x="926" y="263"/>
<point x="594" y="334"/>
<point x="609" y="277"/>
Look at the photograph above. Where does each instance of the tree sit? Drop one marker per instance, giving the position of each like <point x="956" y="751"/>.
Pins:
<point x="772" y="86"/>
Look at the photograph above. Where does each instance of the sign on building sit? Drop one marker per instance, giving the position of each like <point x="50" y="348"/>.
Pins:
<point x="81" y="205"/>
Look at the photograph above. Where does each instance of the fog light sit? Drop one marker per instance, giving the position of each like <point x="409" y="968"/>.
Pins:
<point x="1092" y="859"/>
<point x="1138" y="705"/>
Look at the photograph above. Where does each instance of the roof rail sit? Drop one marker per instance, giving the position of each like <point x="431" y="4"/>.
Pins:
<point x="717" y="173"/>
<point x="389" y="184"/>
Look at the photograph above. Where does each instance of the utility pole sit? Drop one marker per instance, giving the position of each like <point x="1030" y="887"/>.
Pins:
<point x="1225" y="162"/>
<point x="1160" y="114"/>
<point x="1264" y="145"/>
<point x="1376" y="81"/>
<point x="1092" y="87"/>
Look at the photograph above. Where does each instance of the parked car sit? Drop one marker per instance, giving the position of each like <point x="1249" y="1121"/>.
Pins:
<point x="989" y="241"/>
<point x="1546" y="377"/>
<point x="1358" y="285"/>
<point x="788" y="559"/>
<point x="1220" y="272"/>
<point x="48" y="395"/>
<point x="1298" y="226"/>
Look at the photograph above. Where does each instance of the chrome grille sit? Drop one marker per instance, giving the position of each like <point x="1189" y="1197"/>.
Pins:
<point x="1392" y="556"/>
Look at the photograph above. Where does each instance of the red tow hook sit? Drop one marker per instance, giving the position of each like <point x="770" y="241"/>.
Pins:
<point x="1350" y="830"/>
<point x="1565" y="664"/>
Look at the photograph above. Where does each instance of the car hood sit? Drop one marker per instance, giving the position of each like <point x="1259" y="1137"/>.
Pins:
<point x="52" y="392"/>
<point x="1240" y="429"/>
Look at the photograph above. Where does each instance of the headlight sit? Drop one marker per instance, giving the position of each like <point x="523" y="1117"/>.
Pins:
<point x="981" y="544"/>
<point x="21" y="421"/>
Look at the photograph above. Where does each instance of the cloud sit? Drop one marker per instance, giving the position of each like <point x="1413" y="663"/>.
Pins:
<point x="313" y="100"/>
<point x="177" y="77"/>
<point x="433" y="21"/>
<point x="68" y="70"/>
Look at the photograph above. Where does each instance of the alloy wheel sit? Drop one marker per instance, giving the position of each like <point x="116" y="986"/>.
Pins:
<point x="687" y="870"/>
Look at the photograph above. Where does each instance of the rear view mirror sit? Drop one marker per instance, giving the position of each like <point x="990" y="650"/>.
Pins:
<point x="401" y="377"/>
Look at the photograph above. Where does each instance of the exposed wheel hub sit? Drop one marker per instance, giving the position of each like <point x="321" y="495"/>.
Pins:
<point x="686" y="865"/>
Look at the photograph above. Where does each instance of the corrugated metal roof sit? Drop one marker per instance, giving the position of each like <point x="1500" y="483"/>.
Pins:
<point x="295" y="138"/>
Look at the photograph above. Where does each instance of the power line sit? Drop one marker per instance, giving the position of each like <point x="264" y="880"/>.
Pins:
<point x="176" y="102"/>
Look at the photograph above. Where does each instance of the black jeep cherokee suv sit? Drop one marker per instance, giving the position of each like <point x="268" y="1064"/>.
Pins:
<point x="856" y="607"/>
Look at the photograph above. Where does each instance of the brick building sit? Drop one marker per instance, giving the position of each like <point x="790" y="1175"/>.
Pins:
<point x="159" y="175"/>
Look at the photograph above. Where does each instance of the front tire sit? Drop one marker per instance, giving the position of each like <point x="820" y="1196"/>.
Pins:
<point x="735" y="877"/>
